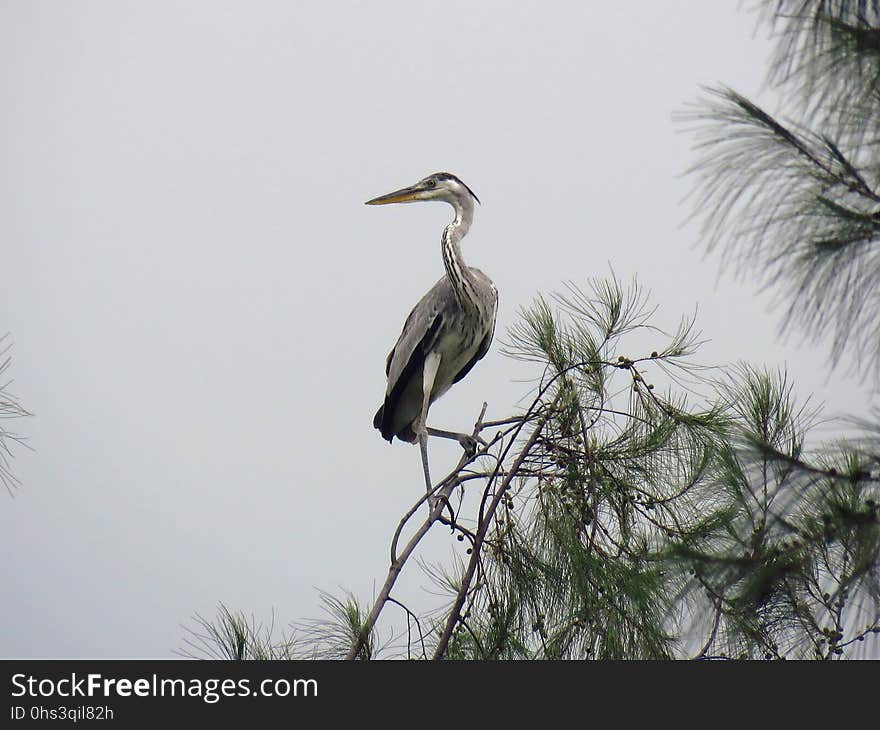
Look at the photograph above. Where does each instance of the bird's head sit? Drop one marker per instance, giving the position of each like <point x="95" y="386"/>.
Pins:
<point x="440" y="186"/>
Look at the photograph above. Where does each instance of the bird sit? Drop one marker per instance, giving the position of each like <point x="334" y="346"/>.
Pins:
<point x="448" y="331"/>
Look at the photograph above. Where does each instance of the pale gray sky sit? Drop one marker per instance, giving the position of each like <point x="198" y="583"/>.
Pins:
<point x="201" y="305"/>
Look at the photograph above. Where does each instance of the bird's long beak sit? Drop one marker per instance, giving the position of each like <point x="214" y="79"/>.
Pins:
<point x="404" y="195"/>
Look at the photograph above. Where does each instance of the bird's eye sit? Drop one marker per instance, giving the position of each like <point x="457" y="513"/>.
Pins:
<point x="431" y="183"/>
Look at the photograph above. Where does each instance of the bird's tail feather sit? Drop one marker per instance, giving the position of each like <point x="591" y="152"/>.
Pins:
<point x="378" y="422"/>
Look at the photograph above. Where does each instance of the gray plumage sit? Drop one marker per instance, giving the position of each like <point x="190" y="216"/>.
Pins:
<point x="452" y="326"/>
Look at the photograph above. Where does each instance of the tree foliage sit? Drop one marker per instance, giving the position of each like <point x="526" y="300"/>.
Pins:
<point x="623" y="515"/>
<point x="10" y="409"/>
<point x="795" y="201"/>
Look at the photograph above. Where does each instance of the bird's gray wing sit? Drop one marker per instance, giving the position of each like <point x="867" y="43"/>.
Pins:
<point x="412" y="345"/>
<point x="406" y="326"/>
<point x="406" y="359"/>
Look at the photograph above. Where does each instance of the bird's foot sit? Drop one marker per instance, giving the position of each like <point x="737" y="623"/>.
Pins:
<point x="440" y="501"/>
<point x="469" y="444"/>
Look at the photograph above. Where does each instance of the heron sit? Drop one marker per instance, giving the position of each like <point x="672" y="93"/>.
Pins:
<point x="445" y="334"/>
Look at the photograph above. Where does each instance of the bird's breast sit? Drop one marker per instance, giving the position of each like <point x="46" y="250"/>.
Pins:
<point x="457" y="344"/>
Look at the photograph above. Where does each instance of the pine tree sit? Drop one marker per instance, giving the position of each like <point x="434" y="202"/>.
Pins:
<point x="643" y="506"/>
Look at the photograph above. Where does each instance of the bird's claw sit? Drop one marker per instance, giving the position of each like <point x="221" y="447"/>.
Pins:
<point x="438" y="500"/>
<point x="469" y="444"/>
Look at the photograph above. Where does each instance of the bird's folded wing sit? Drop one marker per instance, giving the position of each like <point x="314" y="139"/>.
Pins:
<point x="417" y="337"/>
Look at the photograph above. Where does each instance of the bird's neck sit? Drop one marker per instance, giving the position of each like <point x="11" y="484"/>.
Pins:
<point x="464" y="216"/>
<point x="456" y="269"/>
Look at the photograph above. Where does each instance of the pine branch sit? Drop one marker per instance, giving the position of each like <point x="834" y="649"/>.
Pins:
<point x="486" y="516"/>
<point x="794" y="209"/>
<point x="442" y="490"/>
<point x="10" y="408"/>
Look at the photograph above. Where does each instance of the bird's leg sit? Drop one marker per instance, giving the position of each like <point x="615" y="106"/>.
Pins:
<point x="468" y="442"/>
<point x="432" y="363"/>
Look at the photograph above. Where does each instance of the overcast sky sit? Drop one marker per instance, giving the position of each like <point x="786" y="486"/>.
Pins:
<point x="201" y="305"/>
